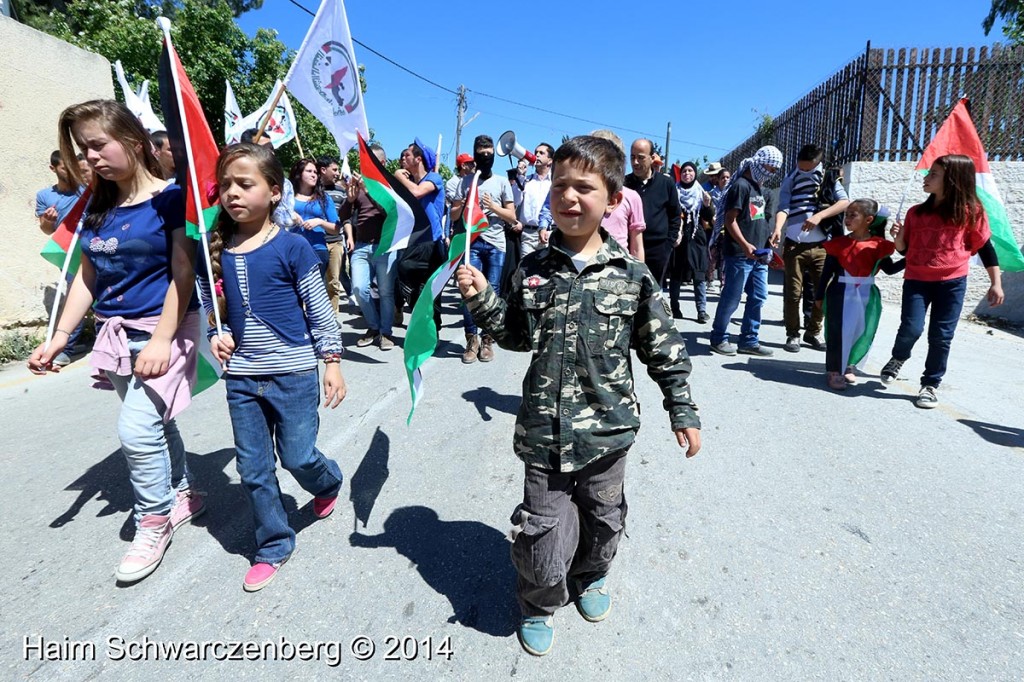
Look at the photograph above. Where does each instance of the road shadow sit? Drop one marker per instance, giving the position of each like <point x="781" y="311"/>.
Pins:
<point x="106" y="482"/>
<point x="485" y="397"/>
<point x="465" y="561"/>
<point x="804" y="374"/>
<point x="997" y="434"/>
<point x="369" y="479"/>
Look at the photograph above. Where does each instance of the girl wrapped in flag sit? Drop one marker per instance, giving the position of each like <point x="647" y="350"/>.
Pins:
<point x="137" y="274"/>
<point x="852" y="302"/>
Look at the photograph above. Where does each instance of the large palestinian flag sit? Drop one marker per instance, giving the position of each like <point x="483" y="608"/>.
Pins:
<point x="959" y="136"/>
<point x="195" y="151"/>
<point x="405" y="215"/>
<point x="421" y="336"/>
<point x="195" y="158"/>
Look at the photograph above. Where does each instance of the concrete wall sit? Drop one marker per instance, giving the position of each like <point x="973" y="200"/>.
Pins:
<point x="886" y="183"/>
<point x="39" y="77"/>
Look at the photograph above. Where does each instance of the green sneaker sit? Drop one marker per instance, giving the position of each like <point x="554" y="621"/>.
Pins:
<point x="594" y="602"/>
<point x="537" y="634"/>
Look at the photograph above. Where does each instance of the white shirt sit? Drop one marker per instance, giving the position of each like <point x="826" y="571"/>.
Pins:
<point x="535" y="192"/>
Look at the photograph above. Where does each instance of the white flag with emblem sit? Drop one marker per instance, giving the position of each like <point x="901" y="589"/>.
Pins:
<point x="325" y="76"/>
<point x="280" y="128"/>
<point x="232" y="113"/>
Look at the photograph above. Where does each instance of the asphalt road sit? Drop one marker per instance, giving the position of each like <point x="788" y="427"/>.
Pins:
<point x="816" y="536"/>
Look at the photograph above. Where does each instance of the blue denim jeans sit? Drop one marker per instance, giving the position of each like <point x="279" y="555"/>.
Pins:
<point x="151" y="447"/>
<point x="380" y="313"/>
<point x="741" y="274"/>
<point x="278" y="410"/>
<point x="489" y="259"/>
<point x="946" y="300"/>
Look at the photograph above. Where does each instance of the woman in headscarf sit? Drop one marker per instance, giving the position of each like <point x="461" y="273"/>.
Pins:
<point x="690" y="258"/>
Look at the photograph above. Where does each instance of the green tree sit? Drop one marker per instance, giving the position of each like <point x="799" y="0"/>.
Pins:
<point x="213" y="49"/>
<point x="1010" y="11"/>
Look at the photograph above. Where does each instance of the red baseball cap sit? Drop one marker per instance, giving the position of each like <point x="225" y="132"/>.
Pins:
<point x="463" y="158"/>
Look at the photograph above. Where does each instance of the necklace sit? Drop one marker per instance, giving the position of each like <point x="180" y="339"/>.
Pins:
<point x="266" y="237"/>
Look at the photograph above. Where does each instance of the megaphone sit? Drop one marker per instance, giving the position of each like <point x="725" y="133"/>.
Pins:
<point x="507" y="145"/>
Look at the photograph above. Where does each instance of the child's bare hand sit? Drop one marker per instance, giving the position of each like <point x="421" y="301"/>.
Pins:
<point x="896" y="228"/>
<point x="41" y="360"/>
<point x="470" y="280"/>
<point x="335" y="389"/>
<point x="154" y="359"/>
<point x="689" y="438"/>
<point x="222" y="346"/>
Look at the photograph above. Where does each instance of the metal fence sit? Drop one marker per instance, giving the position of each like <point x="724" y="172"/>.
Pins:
<point x="887" y="104"/>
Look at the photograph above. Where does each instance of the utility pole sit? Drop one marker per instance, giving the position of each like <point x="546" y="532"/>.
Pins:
<point x="668" y="140"/>
<point x="460" y="110"/>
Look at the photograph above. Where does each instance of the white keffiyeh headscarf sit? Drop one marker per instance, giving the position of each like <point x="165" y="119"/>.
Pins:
<point x="756" y="164"/>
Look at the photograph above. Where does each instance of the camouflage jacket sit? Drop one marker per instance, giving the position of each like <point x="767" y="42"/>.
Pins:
<point x="578" y="400"/>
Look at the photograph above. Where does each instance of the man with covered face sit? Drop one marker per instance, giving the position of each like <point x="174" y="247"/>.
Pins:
<point x="746" y="259"/>
<point x="487" y="253"/>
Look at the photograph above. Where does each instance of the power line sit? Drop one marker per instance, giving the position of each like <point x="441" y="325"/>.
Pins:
<point x="495" y="97"/>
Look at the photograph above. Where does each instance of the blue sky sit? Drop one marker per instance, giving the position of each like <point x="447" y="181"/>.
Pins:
<point x="704" y="67"/>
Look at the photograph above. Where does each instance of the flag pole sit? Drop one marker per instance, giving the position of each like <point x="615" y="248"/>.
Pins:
<point x="62" y="284"/>
<point x="899" y="211"/>
<point x="473" y="195"/>
<point x="165" y="26"/>
<point x="302" y="154"/>
<point x="270" y="113"/>
<point x="437" y="157"/>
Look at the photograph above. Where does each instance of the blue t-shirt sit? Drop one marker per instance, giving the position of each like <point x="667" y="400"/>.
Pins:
<point x="315" y="208"/>
<point x="131" y="253"/>
<point x="433" y="204"/>
<point x="63" y="201"/>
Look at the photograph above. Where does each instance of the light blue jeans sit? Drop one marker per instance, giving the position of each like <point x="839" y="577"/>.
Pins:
<point x="741" y="274"/>
<point x="152" y="448"/>
<point x="379" y="314"/>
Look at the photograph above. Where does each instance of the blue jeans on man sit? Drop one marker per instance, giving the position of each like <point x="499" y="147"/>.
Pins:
<point x="946" y="300"/>
<point x="488" y="259"/>
<point x="278" y="410"/>
<point x="741" y="274"/>
<point x="380" y="313"/>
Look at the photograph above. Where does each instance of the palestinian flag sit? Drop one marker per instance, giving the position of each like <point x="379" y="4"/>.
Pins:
<point x="405" y="215"/>
<point x="853" y="304"/>
<point x="195" y="151"/>
<point x="62" y="241"/>
<point x="959" y="136"/>
<point x="421" y="335"/>
<point x="195" y="158"/>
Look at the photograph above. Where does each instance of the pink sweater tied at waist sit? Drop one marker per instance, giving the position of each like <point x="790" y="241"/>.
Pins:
<point x="173" y="388"/>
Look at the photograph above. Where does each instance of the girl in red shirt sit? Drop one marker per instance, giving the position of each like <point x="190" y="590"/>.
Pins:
<point x="938" y="238"/>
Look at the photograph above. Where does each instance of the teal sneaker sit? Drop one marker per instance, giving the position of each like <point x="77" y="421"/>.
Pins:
<point x="594" y="602"/>
<point x="537" y="634"/>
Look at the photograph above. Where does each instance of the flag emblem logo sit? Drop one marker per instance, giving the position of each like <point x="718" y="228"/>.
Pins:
<point x="336" y="77"/>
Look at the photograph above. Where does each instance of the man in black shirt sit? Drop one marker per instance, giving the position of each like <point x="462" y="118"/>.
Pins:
<point x="746" y="259"/>
<point x="661" y="207"/>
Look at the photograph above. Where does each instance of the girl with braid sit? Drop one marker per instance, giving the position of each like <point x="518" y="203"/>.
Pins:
<point x="278" y="322"/>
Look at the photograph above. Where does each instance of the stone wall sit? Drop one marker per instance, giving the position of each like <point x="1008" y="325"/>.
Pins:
<point x="887" y="182"/>
<point x="39" y="77"/>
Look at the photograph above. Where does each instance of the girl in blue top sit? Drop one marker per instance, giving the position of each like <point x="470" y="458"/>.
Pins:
<point x="137" y="274"/>
<point x="315" y="209"/>
<point x="279" y="320"/>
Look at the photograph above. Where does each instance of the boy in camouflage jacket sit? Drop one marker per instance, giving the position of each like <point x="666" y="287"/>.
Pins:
<point x="579" y="306"/>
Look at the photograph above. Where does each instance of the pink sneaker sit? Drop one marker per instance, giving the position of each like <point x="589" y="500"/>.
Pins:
<point x="147" y="550"/>
<point x="324" y="506"/>
<point x="259" y="576"/>
<point x="188" y="504"/>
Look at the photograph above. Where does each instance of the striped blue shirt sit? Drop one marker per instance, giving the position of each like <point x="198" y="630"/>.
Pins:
<point x="261" y="350"/>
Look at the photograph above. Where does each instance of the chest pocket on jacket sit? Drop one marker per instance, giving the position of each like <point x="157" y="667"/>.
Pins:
<point x="616" y="302"/>
<point x="537" y="304"/>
